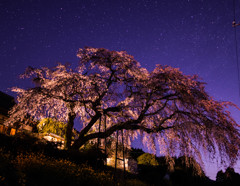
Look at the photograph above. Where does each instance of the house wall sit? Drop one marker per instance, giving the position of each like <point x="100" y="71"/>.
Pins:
<point x="130" y="164"/>
<point x="6" y="103"/>
<point x="2" y="119"/>
<point x="111" y="162"/>
<point x="56" y="139"/>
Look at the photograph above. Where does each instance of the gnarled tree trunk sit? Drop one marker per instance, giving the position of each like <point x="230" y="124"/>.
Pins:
<point x="68" y="134"/>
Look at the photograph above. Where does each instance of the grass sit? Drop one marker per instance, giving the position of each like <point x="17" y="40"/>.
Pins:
<point x="28" y="162"/>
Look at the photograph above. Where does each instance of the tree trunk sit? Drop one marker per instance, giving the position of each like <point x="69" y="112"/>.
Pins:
<point x="78" y="143"/>
<point x="81" y="138"/>
<point x="68" y="134"/>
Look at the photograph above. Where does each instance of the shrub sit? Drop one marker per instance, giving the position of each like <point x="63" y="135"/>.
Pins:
<point x="7" y="171"/>
<point x="37" y="169"/>
<point x="147" y="159"/>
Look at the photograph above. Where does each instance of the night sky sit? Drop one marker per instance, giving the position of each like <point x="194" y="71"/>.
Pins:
<point x="194" y="35"/>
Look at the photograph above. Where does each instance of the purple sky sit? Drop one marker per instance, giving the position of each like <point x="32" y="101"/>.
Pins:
<point x="193" y="35"/>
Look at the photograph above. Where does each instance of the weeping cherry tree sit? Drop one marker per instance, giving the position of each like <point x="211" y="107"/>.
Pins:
<point x="167" y="109"/>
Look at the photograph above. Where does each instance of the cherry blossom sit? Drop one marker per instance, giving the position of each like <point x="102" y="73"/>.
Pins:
<point x="164" y="107"/>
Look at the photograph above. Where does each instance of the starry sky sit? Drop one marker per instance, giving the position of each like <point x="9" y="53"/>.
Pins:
<point x="194" y="35"/>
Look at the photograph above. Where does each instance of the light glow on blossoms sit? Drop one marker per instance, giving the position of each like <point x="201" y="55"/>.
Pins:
<point x="167" y="108"/>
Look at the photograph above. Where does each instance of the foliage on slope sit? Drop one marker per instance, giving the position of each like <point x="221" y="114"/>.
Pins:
<point x="24" y="160"/>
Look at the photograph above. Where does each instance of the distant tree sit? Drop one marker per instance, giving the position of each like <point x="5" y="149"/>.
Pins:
<point x="220" y="176"/>
<point x="49" y="125"/>
<point x="189" y="165"/>
<point x="229" y="177"/>
<point x="188" y="172"/>
<point x="135" y="153"/>
<point x="185" y="171"/>
<point x="164" y="106"/>
<point x="147" y="159"/>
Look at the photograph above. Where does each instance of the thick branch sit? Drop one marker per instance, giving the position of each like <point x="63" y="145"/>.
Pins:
<point x="90" y="124"/>
<point x="128" y="125"/>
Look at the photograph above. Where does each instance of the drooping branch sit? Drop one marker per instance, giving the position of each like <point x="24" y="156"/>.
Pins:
<point x="129" y="125"/>
<point x="89" y="125"/>
<point x="113" y="84"/>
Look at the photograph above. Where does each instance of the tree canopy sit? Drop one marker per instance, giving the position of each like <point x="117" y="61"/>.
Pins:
<point x="110" y="91"/>
<point x="147" y="159"/>
<point x="48" y="125"/>
<point x="229" y="177"/>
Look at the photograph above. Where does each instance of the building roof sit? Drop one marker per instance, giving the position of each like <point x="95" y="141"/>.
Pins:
<point x="6" y="103"/>
<point x="55" y="136"/>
